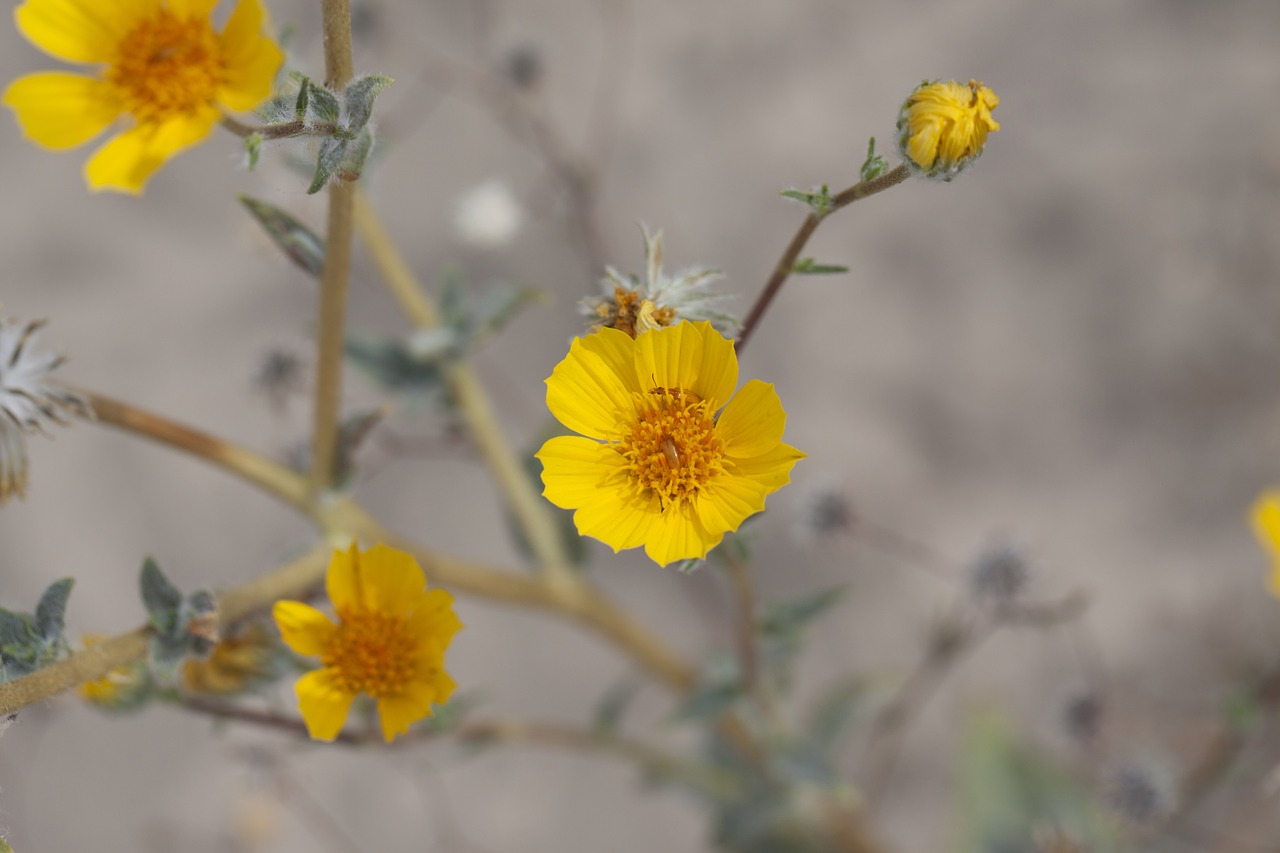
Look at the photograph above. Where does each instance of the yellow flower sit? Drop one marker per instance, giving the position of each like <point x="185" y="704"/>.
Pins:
<point x="160" y="64"/>
<point x="389" y="642"/>
<point x="1265" y="516"/>
<point x="234" y="664"/>
<point x="654" y="465"/>
<point x="943" y="126"/>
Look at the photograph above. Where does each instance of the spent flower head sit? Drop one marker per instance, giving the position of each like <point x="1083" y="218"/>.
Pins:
<point x="668" y="456"/>
<point x="158" y="64"/>
<point x="389" y="642"/>
<point x="236" y="663"/>
<point x="632" y="304"/>
<point x="29" y="403"/>
<point x="942" y="127"/>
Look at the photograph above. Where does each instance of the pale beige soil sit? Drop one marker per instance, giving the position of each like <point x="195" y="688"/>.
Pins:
<point x="1076" y="345"/>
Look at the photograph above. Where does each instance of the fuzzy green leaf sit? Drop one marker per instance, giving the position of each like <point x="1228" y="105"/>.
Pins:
<point x="253" y="148"/>
<point x="359" y="95"/>
<point x="355" y="153"/>
<point x="708" y="701"/>
<point x="1009" y="792"/>
<point x="323" y="107"/>
<point x="51" y="611"/>
<point x="304" y="99"/>
<point x="808" y="266"/>
<point x="819" y="200"/>
<point x="327" y="162"/>
<point x="614" y="703"/>
<point x="302" y="245"/>
<point x="786" y="617"/>
<point x="875" y="165"/>
<point x="160" y="597"/>
<point x="16" y="630"/>
<point x="390" y="364"/>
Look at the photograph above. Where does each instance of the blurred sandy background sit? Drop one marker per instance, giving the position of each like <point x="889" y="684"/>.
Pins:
<point x="1074" y="346"/>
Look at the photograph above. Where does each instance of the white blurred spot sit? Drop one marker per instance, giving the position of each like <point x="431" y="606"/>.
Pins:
<point x="488" y="216"/>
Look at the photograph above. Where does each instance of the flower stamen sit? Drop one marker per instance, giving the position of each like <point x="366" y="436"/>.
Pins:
<point x="166" y="66"/>
<point x="672" y="450"/>
<point x="371" y="652"/>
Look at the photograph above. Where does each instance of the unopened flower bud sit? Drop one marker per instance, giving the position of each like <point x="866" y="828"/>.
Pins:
<point x="942" y="127"/>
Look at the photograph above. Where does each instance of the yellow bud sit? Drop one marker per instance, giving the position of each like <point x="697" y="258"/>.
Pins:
<point x="943" y="127"/>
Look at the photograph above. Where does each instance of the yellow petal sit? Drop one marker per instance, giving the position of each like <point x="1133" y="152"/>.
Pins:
<point x="771" y="470"/>
<point x="669" y="357"/>
<point x="727" y="501"/>
<point x="79" y="30"/>
<point x="1264" y="517"/>
<point x="586" y="392"/>
<point x="60" y="110"/>
<point x="718" y="372"/>
<point x="923" y="145"/>
<point x="343" y="582"/>
<point x="251" y="59"/>
<point x="126" y="162"/>
<point x="191" y="8"/>
<point x="618" y="349"/>
<point x="680" y="535"/>
<point x="575" y="469"/>
<point x="323" y="703"/>
<point x="433" y="623"/>
<point x="397" y="713"/>
<point x="303" y="628"/>
<point x="620" y="519"/>
<point x="392" y="580"/>
<point x="753" y="421"/>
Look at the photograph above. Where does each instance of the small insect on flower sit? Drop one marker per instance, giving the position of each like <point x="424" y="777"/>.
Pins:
<point x="669" y="450"/>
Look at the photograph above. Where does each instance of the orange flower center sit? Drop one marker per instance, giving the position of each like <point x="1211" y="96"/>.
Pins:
<point x="673" y="449"/>
<point x="371" y="653"/>
<point x="166" y="66"/>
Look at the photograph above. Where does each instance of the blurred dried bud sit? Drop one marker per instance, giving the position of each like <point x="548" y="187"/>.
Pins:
<point x="238" y="662"/>
<point x="1138" y="794"/>
<point x="280" y="377"/>
<point x="999" y="575"/>
<point x="522" y="66"/>
<point x="1082" y="717"/>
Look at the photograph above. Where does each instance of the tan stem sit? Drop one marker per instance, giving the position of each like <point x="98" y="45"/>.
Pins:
<point x="340" y="517"/>
<point x="526" y="504"/>
<point x="336" y="23"/>
<point x="274" y="478"/>
<point x="336" y="15"/>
